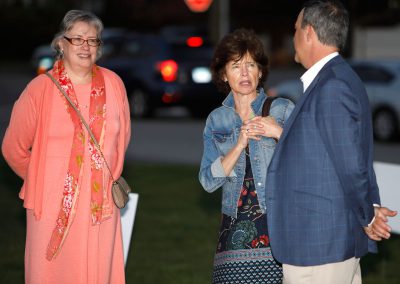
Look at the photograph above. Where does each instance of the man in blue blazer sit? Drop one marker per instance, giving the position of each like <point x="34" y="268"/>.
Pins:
<point x="321" y="187"/>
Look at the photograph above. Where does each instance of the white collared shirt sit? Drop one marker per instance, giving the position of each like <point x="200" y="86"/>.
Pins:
<point x="311" y="73"/>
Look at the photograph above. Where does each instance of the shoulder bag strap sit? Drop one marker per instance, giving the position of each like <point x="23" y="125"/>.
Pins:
<point x="267" y="105"/>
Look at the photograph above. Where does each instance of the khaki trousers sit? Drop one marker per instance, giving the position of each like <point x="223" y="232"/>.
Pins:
<point x="345" y="272"/>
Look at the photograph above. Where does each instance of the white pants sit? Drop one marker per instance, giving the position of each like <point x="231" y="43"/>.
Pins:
<point x="345" y="272"/>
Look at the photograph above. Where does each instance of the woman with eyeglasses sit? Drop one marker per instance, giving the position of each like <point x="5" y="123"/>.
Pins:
<point x="73" y="226"/>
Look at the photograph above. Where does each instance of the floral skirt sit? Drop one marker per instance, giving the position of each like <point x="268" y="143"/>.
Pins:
<point x="243" y="253"/>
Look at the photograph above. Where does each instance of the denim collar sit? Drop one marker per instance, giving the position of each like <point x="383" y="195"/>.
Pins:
<point x="256" y="105"/>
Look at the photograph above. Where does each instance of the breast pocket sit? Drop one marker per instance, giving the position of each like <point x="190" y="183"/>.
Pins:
<point x="223" y="141"/>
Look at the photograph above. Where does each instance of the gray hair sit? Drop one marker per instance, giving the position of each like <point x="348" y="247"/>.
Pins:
<point x="72" y="17"/>
<point x="330" y="20"/>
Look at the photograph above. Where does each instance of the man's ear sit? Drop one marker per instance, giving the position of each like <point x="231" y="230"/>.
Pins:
<point x="310" y="33"/>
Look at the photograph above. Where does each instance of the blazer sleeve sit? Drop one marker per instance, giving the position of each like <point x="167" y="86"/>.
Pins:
<point x="375" y="197"/>
<point x="19" y="136"/>
<point x="340" y="123"/>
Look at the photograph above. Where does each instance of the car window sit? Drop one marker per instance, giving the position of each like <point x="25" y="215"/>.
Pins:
<point x="111" y="46"/>
<point x="184" y="52"/>
<point x="134" y="48"/>
<point x="142" y="47"/>
<point x="373" y="74"/>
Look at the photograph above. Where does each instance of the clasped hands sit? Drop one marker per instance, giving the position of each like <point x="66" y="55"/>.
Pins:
<point x="379" y="229"/>
<point x="260" y="126"/>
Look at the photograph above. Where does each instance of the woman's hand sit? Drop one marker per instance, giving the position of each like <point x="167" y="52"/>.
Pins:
<point x="251" y="129"/>
<point x="262" y="126"/>
<point x="229" y="161"/>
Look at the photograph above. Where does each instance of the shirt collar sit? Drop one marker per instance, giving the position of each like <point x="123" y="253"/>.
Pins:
<point x="311" y="73"/>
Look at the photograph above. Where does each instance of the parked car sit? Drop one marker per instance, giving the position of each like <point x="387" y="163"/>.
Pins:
<point x="43" y="58"/>
<point x="382" y="82"/>
<point x="163" y="70"/>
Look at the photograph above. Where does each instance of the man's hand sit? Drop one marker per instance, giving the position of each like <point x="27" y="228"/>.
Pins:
<point x="379" y="228"/>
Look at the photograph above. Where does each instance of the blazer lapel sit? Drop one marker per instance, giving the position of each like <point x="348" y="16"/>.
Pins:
<point x="299" y="104"/>
<point x="336" y="60"/>
<point x="296" y="111"/>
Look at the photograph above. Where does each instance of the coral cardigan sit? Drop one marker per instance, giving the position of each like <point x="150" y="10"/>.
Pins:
<point x="25" y="140"/>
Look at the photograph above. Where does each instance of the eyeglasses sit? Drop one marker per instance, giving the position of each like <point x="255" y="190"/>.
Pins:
<point x="80" y="41"/>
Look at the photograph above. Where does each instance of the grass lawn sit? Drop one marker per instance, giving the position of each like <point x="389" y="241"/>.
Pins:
<point x="175" y="230"/>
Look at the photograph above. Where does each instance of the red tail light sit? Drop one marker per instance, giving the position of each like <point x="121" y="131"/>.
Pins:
<point x="168" y="70"/>
<point x="194" y="41"/>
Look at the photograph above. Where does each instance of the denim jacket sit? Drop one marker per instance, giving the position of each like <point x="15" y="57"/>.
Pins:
<point x="221" y="134"/>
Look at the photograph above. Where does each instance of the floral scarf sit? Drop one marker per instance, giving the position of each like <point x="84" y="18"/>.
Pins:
<point x="99" y="203"/>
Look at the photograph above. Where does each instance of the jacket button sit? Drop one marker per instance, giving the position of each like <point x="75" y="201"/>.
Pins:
<point x="259" y="184"/>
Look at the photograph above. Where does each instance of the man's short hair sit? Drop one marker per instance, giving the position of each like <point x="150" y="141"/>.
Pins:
<point x="330" y="20"/>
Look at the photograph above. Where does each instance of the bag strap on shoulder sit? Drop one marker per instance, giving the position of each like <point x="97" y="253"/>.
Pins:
<point x="266" y="108"/>
<point x="83" y="121"/>
<point x="267" y="105"/>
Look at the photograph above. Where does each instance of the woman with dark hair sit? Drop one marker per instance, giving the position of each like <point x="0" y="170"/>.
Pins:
<point x="238" y="146"/>
<point x="73" y="227"/>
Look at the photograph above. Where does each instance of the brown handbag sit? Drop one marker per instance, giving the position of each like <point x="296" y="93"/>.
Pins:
<point x="120" y="192"/>
<point x="120" y="189"/>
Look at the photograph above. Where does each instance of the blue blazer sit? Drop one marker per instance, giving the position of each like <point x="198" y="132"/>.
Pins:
<point x="321" y="185"/>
